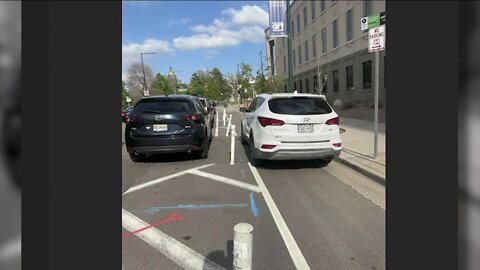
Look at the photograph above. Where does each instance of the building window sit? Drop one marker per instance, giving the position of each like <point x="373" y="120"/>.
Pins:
<point x="305" y="17"/>
<point x="322" y="5"/>
<point x="284" y="64"/>
<point x="335" y="34"/>
<point x="306" y="50"/>
<point x="324" y="40"/>
<point x="349" y="23"/>
<point x="298" y="24"/>
<point x="349" y="72"/>
<point x="293" y="28"/>
<point x="307" y="85"/>
<point x="299" y="54"/>
<point x="301" y="86"/>
<point x="314" y="46"/>
<point x="314" y="13"/>
<point x="315" y="83"/>
<point x="367" y="8"/>
<point x="367" y="75"/>
<point x="335" y="80"/>
<point x="294" y="59"/>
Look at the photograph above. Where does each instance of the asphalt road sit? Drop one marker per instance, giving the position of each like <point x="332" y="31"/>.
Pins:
<point x="335" y="216"/>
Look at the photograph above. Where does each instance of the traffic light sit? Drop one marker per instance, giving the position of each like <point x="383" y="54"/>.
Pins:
<point x="206" y="87"/>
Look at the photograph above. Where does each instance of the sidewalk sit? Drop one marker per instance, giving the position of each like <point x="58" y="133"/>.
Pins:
<point x="358" y="140"/>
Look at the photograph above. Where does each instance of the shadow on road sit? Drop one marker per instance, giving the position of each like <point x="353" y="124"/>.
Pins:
<point x="219" y="257"/>
<point x="285" y="164"/>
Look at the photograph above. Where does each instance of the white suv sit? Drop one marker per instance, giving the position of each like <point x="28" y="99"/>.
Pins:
<point x="291" y="127"/>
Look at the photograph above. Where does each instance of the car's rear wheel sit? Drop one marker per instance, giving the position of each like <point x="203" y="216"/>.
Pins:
<point x="138" y="157"/>
<point x="253" y="159"/>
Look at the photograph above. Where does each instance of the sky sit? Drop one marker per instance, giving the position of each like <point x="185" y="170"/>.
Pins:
<point x="193" y="35"/>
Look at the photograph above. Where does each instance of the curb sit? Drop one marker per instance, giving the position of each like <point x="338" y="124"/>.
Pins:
<point x="375" y="177"/>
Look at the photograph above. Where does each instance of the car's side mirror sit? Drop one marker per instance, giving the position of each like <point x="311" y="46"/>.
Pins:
<point x="243" y="109"/>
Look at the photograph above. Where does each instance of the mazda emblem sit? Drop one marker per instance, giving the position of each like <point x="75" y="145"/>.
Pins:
<point x="158" y="117"/>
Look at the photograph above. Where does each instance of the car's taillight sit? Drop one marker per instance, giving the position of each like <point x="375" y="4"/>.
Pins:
<point x="195" y="118"/>
<point x="268" y="146"/>
<point x="334" y="121"/>
<point x="337" y="144"/>
<point x="265" y="121"/>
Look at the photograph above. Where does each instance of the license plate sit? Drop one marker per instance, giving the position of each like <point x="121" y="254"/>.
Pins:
<point x="160" y="127"/>
<point x="308" y="128"/>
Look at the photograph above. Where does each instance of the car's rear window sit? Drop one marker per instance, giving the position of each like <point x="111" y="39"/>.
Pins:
<point x="163" y="106"/>
<point x="299" y="106"/>
<point x="203" y="102"/>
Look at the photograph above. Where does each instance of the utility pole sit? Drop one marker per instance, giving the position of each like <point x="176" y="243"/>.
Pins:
<point x="144" y="80"/>
<point x="238" y="86"/>
<point x="289" y="41"/>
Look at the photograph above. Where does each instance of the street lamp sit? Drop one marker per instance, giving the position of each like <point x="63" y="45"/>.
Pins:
<point x="145" y="93"/>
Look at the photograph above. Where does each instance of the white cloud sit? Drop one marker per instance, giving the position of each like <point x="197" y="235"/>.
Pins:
<point x="243" y="25"/>
<point x="248" y="15"/>
<point x="181" y="21"/>
<point x="131" y="52"/>
<point x="211" y="54"/>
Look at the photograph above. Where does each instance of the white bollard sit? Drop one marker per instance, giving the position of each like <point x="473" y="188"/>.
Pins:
<point x="242" y="246"/>
<point x="232" y="147"/>
<point x="229" y="119"/>
<point x="216" y="125"/>
<point x="224" y="116"/>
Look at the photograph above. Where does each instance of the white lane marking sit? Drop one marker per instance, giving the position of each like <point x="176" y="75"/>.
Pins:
<point x="216" y="125"/>
<point x="163" y="179"/>
<point x="184" y="256"/>
<point x="226" y="180"/>
<point x="293" y="249"/>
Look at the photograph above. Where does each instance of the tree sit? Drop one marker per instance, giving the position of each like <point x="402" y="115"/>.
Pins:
<point x="135" y="80"/>
<point x="124" y="95"/>
<point x="244" y="80"/>
<point x="197" y="83"/>
<point x="161" y="86"/>
<point x="217" y="85"/>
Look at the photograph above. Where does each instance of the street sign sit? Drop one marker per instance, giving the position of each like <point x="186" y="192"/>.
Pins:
<point x="373" y="21"/>
<point x="383" y="18"/>
<point x="376" y="39"/>
<point x="364" y="23"/>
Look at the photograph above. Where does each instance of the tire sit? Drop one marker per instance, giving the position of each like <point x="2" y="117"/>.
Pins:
<point x="138" y="158"/>
<point x="203" y="154"/>
<point x="253" y="159"/>
<point x="243" y="140"/>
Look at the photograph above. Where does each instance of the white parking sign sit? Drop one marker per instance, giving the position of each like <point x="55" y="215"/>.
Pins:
<point x="376" y="39"/>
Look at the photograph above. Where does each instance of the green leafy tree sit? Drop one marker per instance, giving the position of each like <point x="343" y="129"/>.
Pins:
<point x="244" y="81"/>
<point x="124" y="95"/>
<point x="161" y="86"/>
<point x="197" y="84"/>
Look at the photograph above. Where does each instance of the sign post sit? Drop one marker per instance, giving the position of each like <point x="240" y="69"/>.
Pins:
<point x="376" y="43"/>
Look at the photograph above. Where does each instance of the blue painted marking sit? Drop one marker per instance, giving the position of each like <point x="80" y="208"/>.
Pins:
<point x="195" y="206"/>
<point x="253" y="206"/>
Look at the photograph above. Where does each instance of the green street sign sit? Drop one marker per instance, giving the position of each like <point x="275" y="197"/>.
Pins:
<point x="373" y="21"/>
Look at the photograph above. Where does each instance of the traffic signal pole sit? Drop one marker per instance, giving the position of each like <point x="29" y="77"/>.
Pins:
<point x="289" y="49"/>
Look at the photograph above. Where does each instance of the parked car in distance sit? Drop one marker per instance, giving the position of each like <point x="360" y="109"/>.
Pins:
<point x="160" y="124"/>
<point x="125" y="112"/>
<point x="211" y="110"/>
<point x="291" y="126"/>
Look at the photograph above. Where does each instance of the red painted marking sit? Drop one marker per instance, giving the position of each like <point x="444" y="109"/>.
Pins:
<point x="172" y="217"/>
